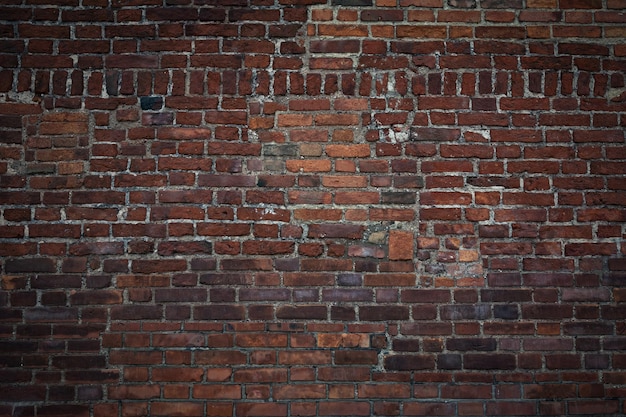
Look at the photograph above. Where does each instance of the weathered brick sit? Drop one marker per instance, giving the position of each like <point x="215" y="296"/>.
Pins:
<point x="243" y="213"/>
<point x="312" y="312"/>
<point x="409" y="362"/>
<point x="177" y="408"/>
<point x="304" y="357"/>
<point x="30" y="265"/>
<point x="401" y="245"/>
<point x="373" y="313"/>
<point x="336" y="231"/>
<point x="219" y="312"/>
<point x="489" y="361"/>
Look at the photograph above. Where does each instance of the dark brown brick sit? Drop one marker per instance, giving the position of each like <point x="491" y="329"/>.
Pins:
<point x="409" y="362"/>
<point x="375" y="313"/>
<point x="489" y="361"/>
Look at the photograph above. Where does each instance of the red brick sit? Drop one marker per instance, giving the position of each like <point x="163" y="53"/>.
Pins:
<point x="384" y="391"/>
<point x="400" y="245"/>
<point x="429" y="409"/>
<point x="177" y="374"/>
<point x="580" y="249"/>
<point x="510" y="408"/>
<point x="392" y="214"/>
<point x="260" y="375"/>
<point x="336" y="231"/>
<point x="260" y="409"/>
<point x="213" y="357"/>
<point x="300" y="391"/>
<point x="339" y="120"/>
<point x="308" y="165"/>
<point x="477" y="391"/>
<point x="348" y="151"/>
<point x="331" y="408"/>
<point x="593" y="406"/>
<point x="304" y="357"/>
<point x="177" y="408"/>
<point x="217" y="392"/>
<point x="286" y="120"/>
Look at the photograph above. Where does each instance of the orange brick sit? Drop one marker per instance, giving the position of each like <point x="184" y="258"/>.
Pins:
<point x="287" y="120"/>
<point x="335" y="340"/>
<point x="296" y="165"/>
<point x="348" y="151"/>
<point x="337" y="119"/>
<point x="401" y="245"/>
<point x="347" y="181"/>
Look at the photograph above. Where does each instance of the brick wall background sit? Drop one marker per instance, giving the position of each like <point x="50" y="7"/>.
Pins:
<point x="312" y="207"/>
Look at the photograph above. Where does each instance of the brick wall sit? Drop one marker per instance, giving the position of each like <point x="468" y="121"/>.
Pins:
<point x="312" y="207"/>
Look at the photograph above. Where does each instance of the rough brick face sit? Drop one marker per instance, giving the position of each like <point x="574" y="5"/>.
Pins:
<point x="312" y="207"/>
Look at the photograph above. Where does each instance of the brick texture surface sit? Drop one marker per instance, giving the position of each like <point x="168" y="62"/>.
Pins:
<point x="312" y="208"/>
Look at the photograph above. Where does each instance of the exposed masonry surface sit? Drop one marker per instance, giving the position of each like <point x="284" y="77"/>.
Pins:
<point x="312" y="207"/>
